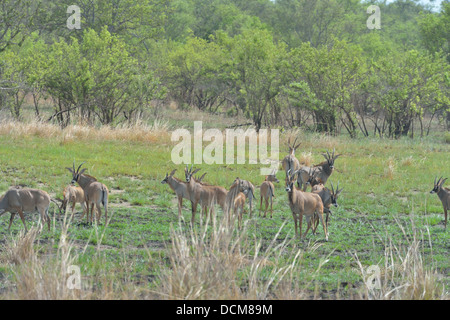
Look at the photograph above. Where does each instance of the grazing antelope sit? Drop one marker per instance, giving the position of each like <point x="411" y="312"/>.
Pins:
<point x="73" y="195"/>
<point x="267" y="192"/>
<point x="328" y="198"/>
<point x="290" y="162"/>
<point x="303" y="204"/>
<point x="326" y="168"/>
<point x="179" y="187"/>
<point x="25" y="200"/>
<point x="95" y="193"/>
<point x="444" y="196"/>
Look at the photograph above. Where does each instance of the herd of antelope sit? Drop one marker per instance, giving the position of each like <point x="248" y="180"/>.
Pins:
<point x="311" y="205"/>
<point x="26" y="200"/>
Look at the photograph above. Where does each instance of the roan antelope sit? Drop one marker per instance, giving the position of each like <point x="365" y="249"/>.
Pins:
<point x="444" y="196"/>
<point x="238" y="207"/>
<point x="267" y="192"/>
<point x="25" y="200"/>
<point x="95" y="193"/>
<point x="239" y="185"/>
<point x="328" y="197"/>
<point x="73" y="195"/>
<point x="326" y="168"/>
<point x="205" y="195"/>
<point x="220" y="193"/>
<point x="290" y="162"/>
<point x="179" y="187"/>
<point x="303" y="204"/>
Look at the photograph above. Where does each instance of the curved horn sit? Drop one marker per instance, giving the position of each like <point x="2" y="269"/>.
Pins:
<point x="80" y="166"/>
<point x="294" y="142"/>
<point x="332" y="188"/>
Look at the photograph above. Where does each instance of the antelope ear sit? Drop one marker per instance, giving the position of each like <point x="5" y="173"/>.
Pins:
<point x="173" y="171"/>
<point x="70" y="169"/>
<point x="442" y="182"/>
<point x="82" y="171"/>
<point x="195" y="171"/>
<point x="337" y="156"/>
<point x="325" y="156"/>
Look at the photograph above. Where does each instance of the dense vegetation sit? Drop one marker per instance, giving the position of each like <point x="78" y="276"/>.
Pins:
<point x="294" y="63"/>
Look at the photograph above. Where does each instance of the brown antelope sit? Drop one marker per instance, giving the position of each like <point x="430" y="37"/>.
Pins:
<point x="202" y="194"/>
<point x="267" y="192"/>
<point x="328" y="198"/>
<point x="179" y="187"/>
<point x="73" y="195"/>
<point x="326" y="168"/>
<point x="238" y="207"/>
<point x="95" y="193"/>
<point x="220" y="193"/>
<point x="303" y="204"/>
<point x="25" y="200"/>
<point x="307" y="176"/>
<point x="290" y="162"/>
<point x="239" y="185"/>
<point x="444" y="196"/>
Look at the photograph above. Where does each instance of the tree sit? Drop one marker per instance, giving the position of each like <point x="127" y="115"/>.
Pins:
<point x="194" y="74"/>
<point x="98" y="78"/>
<point x="255" y="71"/>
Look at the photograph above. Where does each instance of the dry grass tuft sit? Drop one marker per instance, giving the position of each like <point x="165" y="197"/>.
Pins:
<point x="390" y="169"/>
<point x="404" y="275"/>
<point x="222" y="263"/>
<point x="138" y="132"/>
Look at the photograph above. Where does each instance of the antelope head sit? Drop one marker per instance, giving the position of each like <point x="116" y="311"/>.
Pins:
<point x="76" y="173"/>
<point x="330" y="158"/>
<point x="335" y="194"/>
<point x="188" y="173"/>
<point x="438" y="184"/>
<point x="290" y="179"/>
<point x="166" y="178"/>
<point x="293" y="147"/>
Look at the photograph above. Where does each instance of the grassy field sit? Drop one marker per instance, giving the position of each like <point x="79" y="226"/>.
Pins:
<point x="386" y="217"/>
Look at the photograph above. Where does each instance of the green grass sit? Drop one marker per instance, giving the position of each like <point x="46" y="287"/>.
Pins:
<point x="377" y="202"/>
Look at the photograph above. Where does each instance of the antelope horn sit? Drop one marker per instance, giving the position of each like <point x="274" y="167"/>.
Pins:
<point x="332" y="188"/>
<point x="294" y="142"/>
<point x="79" y="167"/>
<point x="435" y="180"/>
<point x="73" y="166"/>
<point x="328" y="155"/>
<point x="289" y="142"/>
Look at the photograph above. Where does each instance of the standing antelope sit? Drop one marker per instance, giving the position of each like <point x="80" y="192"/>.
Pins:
<point x="328" y="198"/>
<point x="238" y="207"/>
<point x="290" y="162"/>
<point x="73" y="195"/>
<point x="443" y="194"/>
<point x="94" y="192"/>
<point x="220" y="193"/>
<point x="267" y="192"/>
<point x="202" y="194"/>
<point x="239" y="185"/>
<point x="179" y="187"/>
<point x="303" y="204"/>
<point x="25" y="200"/>
<point x="326" y="168"/>
<point x="308" y="176"/>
